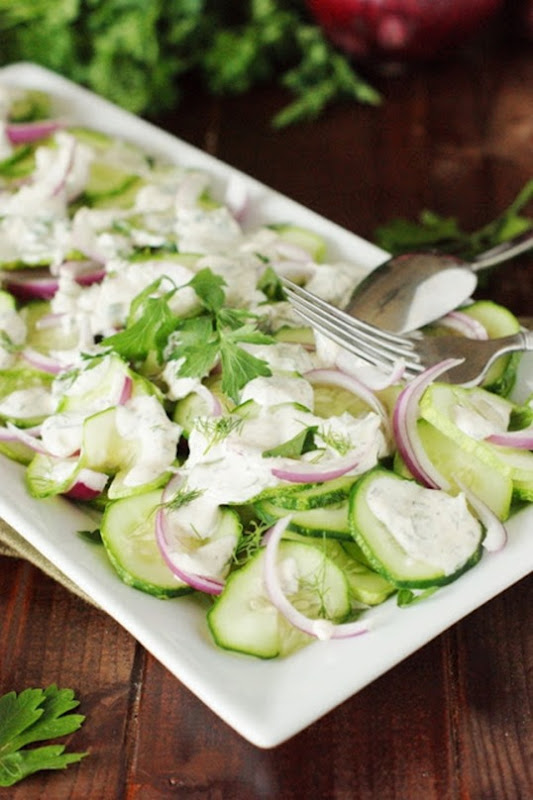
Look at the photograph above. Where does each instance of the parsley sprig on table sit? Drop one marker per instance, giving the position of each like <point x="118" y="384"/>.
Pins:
<point x="35" y="715"/>
<point x="138" y="52"/>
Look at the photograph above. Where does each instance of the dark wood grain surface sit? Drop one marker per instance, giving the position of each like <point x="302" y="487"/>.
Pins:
<point x="453" y="721"/>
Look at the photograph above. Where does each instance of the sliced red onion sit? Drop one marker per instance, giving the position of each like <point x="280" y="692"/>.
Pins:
<point x="87" y="485"/>
<point x="201" y="583"/>
<point x="85" y="272"/>
<point x="41" y="361"/>
<point x="25" y="436"/>
<point x="304" y="472"/>
<point x="464" y="324"/>
<point x="336" y="377"/>
<point x="495" y="531"/>
<point x="522" y="440"/>
<point x="372" y="377"/>
<point x="28" y="132"/>
<point x="319" y="628"/>
<point x="126" y="391"/>
<point x="31" y="284"/>
<point x="404" y="423"/>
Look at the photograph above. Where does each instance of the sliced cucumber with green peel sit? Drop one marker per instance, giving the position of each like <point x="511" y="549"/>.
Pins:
<point x="305" y="496"/>
<point x="27" y="381"/>
<point x="305" y="238"/>
<point x="47" y="476"/>
<point x="457" y="464"/>
<point x="497" y="321"/>
<point x="419" y="545"/>
<point x="330" y="521"/>
<point x="243" y="619"/>
<point x="128" y="534"/>
<point x="366" y="586"/>
<point x="443" y="406"/>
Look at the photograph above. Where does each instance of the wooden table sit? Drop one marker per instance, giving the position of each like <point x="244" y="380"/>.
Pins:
<point x="452" y="721"/>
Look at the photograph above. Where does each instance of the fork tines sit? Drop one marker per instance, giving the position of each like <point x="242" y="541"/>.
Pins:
<point x="374" y="345"/>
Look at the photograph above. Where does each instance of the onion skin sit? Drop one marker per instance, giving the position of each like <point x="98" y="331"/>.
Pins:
<point x="400" y="30"/>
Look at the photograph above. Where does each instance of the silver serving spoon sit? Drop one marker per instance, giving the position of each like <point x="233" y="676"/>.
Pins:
<point x="412" y="290"/>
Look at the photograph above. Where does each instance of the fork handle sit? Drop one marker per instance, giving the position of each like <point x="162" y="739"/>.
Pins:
<point x="504" y="251"/>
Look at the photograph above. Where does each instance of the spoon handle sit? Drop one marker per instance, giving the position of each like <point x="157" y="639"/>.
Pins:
<point x="504" y="251"/>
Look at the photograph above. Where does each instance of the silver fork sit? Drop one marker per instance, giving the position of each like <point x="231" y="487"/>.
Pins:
<point x="416" y="352"/>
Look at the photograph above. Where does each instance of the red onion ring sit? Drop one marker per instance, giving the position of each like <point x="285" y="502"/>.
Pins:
<point x="28" y="132"/>
<point x="464" y="324"/>
<point x="521" y="439"/>
<point x="322" y="629"/>
<point x="26" y="436"/>
<point x="303" y="472"/>
<point x="404" y="424"/>
<point x="31" y="284"/>
<point x="201" y="583"/>
<point x="41" y="361"/>
<point x="126" y="391"/>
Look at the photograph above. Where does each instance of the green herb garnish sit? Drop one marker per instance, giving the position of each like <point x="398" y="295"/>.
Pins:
<point x="433" y="231"/>
<point x="136" y="53"/>
<point x="215" y="334"/>
<point x="35" y="715"/>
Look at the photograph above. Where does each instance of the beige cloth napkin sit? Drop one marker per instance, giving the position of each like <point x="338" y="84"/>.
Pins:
<point x="14" y="545"/>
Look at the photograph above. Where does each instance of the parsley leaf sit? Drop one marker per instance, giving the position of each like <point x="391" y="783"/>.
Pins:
<point x="433" y="231"/>
<point x="303" y="442"/>
<point x="149" y="325"/>
<point x="35" y="715"/>
<point x="217" y="333"/>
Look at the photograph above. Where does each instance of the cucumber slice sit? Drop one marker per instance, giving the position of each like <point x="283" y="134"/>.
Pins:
<point x="25" y="396"/>
<point x="47" y="337"/>
<point x="421" y="544"/>
<point x="128" y="534"/>
<point x="330" y="521"/>
<point x="47" y="476"/>
<point x="366" y="586"/>
<point x="7" y="301"/>
<point x="493" y="486"/>
<point x="303" y="497"/>
<point x="243" y="619"/>
<point x="441" y="405"/>
<point x="292" y="335"/>
<point x="498" y="321"/>
<point x="95" y="387"/>
<point x="308" y="240"/>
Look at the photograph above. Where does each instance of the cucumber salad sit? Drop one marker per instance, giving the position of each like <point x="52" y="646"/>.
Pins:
<point x="152" y="369"/>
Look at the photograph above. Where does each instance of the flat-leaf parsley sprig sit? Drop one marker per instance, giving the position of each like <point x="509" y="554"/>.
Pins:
<point x="35" y="715"/>
<point x="217" y="334"/>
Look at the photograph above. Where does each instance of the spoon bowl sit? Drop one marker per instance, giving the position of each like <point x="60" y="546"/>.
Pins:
<point x="409" y="291"/>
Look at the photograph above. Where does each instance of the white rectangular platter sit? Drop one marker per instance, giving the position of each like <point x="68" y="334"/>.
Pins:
<point x="267" y="702"/>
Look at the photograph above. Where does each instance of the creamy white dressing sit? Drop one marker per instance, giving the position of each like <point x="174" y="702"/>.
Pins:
<point x="154" y="438"/>
<point x="36" y="401"/>
<point x="428" y="524"/>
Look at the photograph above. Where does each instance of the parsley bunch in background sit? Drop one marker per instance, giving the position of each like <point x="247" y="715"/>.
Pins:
<point x="137" y="52"/>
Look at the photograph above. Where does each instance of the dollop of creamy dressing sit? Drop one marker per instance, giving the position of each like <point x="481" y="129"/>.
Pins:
<point x="428" y="524"/>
